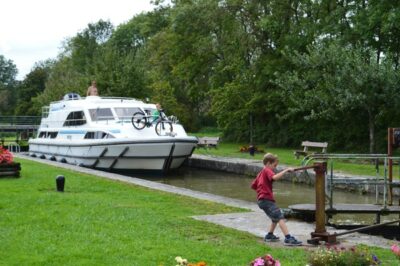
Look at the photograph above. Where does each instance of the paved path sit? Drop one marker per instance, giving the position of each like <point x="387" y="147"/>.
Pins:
<point x="254" y="221"/>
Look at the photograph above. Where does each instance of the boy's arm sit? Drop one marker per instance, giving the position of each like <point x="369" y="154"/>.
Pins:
<point x="282" y="173"/>
<point x="254" y="184"/>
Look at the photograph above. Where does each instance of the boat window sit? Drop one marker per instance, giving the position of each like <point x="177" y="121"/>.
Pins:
<point x="42" y="134"/>
<point x="126" y="113"/>
<point x="89" y="135"/>
<point x="52" y="135"/>
<point x="45" y="111"/>
<point x="109" y="136"/>
<point x="75" y="119"/>
<point x="98" y="135"/>
<point x="100" y="114"/>
<point x="71" y="96"/>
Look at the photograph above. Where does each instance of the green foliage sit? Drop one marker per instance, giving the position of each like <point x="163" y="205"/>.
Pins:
<point x="278" y="72"/>
<point x="8" y="72"/>
<point x="33" y="85"/>
<point x="63" y="78"/>
<point x="331" y="81"/>
<point x="83" y="48"/>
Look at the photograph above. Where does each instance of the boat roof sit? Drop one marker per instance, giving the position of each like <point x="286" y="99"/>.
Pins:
<point x="73" y="99"/>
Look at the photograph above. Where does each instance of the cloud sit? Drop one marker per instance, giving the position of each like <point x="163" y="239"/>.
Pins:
<point x="32" y="31"/>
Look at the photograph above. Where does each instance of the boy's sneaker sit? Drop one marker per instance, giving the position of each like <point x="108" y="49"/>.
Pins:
<point x="271" y="238"/>
<point x="291" y="241"/>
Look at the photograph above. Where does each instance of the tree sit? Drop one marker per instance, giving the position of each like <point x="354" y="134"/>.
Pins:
<point x="331" y="81"/>
<point x="62" y="79"/>
<point x="121" y="64"/>
<point x="8" y="73"/>
<point x="181" y="59"/>
<point x="76" y="65"/>
<point x="83" y="48"/>
<point x="32" y="86"/>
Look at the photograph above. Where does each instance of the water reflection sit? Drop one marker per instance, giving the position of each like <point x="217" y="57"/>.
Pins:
<point x="286" y="193"/>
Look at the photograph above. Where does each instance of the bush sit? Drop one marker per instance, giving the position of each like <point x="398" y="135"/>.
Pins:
<point x="340" y="256"/>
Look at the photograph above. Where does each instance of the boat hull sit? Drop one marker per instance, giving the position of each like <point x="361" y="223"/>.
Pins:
<point x="157" y="155"/>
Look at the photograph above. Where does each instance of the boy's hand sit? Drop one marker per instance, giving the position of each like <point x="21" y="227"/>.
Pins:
<point x="290" y="169"/>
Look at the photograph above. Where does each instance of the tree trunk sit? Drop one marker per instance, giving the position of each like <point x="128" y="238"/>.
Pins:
<point x="371" y="125"/>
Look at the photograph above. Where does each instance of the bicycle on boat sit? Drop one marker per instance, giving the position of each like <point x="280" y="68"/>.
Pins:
<point x="163" y="124"/>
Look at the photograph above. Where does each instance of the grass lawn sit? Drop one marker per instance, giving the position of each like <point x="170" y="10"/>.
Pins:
<point x="101" y="222"/>
<point x="286" y="157"/>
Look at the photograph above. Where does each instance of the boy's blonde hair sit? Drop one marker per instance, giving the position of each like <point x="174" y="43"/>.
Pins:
<point x="270" y="158"/>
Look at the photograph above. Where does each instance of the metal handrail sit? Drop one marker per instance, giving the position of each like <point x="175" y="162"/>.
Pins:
<point x="19" y="120"/>
<point x="377" y="181"/>
<point x="106" y="98"/>
<point x="14" y="147"/>
<point x="350" y="156"/>
<point x="98" y="119"/>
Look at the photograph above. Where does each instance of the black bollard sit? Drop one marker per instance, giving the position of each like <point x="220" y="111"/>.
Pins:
<point x="60" y="181"/>
<point x="252" y="150"/>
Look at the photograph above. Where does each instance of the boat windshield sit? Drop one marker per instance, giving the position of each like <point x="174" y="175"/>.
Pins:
<point x="124" y="113"/>
<point x="101" y="114"/>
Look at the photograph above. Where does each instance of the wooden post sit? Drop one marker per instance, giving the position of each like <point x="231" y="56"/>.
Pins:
<point x="390" y="165"/>
<point x="320" y="233"/>
<point x="320" y="219"/>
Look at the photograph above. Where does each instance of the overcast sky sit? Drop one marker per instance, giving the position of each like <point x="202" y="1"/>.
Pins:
<point x="34" y="30"/>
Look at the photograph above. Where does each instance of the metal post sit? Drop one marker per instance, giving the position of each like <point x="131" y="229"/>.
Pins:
<point x="385" y="184"/>
<point x="365" y="228"/>
<point x="60" y="182"/>
<point x="377" y="180"/>
<point x="390" y="153"/>
<point x="331" y="188"/>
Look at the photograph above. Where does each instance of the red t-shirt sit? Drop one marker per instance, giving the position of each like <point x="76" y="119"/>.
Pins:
<point x="263" y="184"/>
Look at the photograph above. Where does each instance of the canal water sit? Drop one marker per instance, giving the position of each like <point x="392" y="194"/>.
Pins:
<point x="286" y="193"/>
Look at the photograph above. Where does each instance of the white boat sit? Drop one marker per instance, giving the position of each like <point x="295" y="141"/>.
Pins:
<point x="111" y="134"/>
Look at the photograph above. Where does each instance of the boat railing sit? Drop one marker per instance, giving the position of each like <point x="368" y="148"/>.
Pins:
<point x="124" y="119"/>
<point x="98" y="120"/>
<point x="102" y="98"/>
<point x="173" y="119"/>
<point x="116" y="98"/>
<point x="78" y="121"/>
<point x="104" y="118"/>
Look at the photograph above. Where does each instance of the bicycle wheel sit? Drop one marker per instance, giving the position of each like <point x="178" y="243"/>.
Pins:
<point x="163" y="128"/>
<point x="139" y="120"/>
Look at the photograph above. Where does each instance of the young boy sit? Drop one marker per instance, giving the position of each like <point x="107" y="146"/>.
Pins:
<point x="265" y="199"/>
